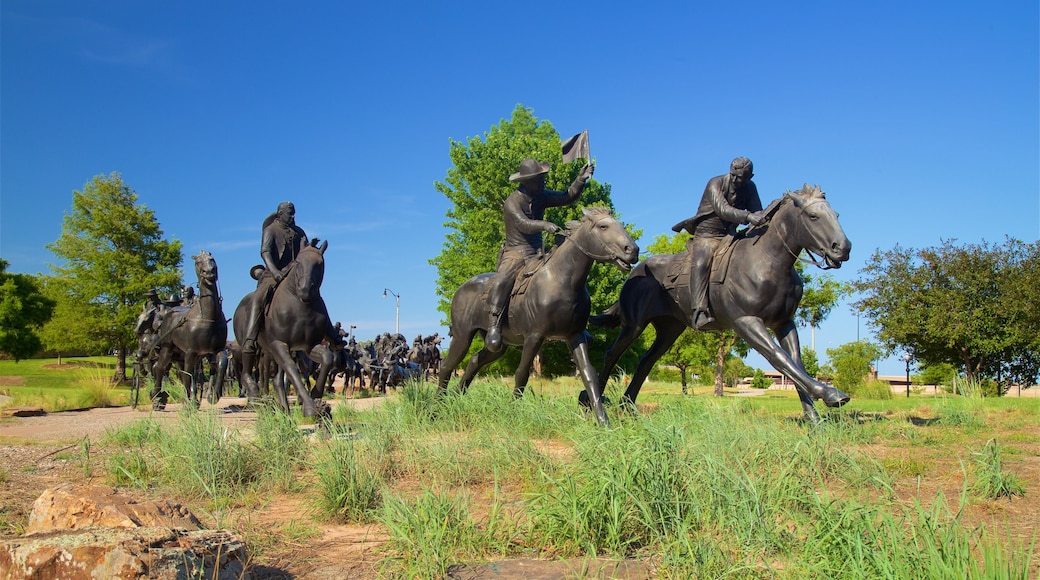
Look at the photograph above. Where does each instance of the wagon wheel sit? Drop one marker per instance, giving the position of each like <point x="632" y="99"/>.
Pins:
<point x="135" y="385"/>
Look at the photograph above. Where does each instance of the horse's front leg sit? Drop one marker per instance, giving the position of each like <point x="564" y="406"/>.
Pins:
<point x="159" y="369"/>
<point x="753" y="330"/>
<point x="532" y="344"/>
<point x="787" y="335"/>
<point x="282" y="356"/>
<point x="579" y="344"/>
<point x="191" y="378"/>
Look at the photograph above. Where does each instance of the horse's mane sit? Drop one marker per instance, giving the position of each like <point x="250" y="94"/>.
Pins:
<point x="808" y="191"/>
<point x="588" y="214"/>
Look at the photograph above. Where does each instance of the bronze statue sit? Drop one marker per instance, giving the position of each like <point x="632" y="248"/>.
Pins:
<point x="524" y="213"/>
<point x="147" y="323"/>
<point x="281" y="241"/>
<point x="191" y="332"/>
<point x="297" y="320"/>
<point x="552" y="303"/>
<point x="754" y="289"/>
<point x="728" y="201"/>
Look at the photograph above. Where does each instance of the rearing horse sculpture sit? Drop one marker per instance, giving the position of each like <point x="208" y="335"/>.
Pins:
<point x="555" y="305"/>
<point x="296" y="320"/>
<point x="760" y="292"/>
<point x="193" y="331"/>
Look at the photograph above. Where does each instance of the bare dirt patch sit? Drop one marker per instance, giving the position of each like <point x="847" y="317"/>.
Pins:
<point x="6" y="381"/>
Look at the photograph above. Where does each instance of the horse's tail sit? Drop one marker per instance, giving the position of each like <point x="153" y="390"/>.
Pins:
<point x="608" y="319"/>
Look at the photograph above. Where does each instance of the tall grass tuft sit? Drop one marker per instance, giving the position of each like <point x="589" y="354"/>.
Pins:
<point x="991" y="480"/>
<point x="202" y="457"/>
<point x="435" y="530"/>
<point x="95" y="388"/>
<point x="136" y="460"/>
<point x="348" y="488"/>
<point x="282" y="445"/>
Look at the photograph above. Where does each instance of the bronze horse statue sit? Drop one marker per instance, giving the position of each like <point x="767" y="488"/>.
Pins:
<point x="295" y="320"/>
<point x="555" y="305"/>
<point x="760" y="292"/>
<point x="192" y="332"/>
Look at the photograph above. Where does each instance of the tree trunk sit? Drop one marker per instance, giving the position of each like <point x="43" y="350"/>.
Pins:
<point x="120" y="375"/>
<point x="720" y="364"/>
<point x="682" y="375"/>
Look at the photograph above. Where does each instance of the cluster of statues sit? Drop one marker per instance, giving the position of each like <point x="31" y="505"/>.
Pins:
<point x="719" y="282"/>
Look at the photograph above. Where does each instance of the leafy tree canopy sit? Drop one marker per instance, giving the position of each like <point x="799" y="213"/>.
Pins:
<point x="23" y="309"/>
<point x="113" y="251"/>
<point x="851" y="363"/>
<point x="974" y="306"/>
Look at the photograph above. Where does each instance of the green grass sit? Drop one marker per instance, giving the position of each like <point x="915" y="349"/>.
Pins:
<point x="79" y="382"/>
<point x="736" y="487"/>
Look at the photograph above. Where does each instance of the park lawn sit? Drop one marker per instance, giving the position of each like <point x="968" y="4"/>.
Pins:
<point x="75" y="383"/>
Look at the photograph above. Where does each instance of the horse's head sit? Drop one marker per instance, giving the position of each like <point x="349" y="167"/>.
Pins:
<point x="602" y="238"/>
<point x="816" y="226"/>
<point x="309" y="271"/>
<point x="205" y="268"/>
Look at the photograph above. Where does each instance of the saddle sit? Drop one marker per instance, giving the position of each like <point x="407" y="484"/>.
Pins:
<point x="677" y="279"/>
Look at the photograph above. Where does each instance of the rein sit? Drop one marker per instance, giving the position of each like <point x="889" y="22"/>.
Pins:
<point x="574" y="240"/>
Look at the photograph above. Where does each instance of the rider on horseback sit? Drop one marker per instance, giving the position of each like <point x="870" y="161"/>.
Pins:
<point x="148" y="323"/>
<point x="728" y="201"/>
<point x="524" y="211"/>
<point x="280" y="244"/>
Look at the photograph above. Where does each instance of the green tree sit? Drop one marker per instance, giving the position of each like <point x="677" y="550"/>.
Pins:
<point x="23" y="309"/>
<point x="810" y="362"/>
<point x="851" y="363"/>
<point x="113" y="251"/>
<point x="478" y="183"/>
<point x="820" y="294"/>
<point x="976" y="307"/>
<point x="691" y="350"/>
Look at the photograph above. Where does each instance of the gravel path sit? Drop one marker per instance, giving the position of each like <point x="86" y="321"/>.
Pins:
<point x="71" y="426"/>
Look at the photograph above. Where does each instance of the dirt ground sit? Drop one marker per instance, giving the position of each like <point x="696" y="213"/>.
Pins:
<point x="42" y="451"/>
<point x="38" y="452"/>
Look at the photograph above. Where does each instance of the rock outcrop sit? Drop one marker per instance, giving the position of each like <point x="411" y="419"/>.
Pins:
<point x="88" y="532"/>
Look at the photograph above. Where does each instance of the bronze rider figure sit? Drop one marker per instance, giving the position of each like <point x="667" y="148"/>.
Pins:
<point x="728" y="201"/>
<point x="524" y="213"/>
<point x="280" y="244"/>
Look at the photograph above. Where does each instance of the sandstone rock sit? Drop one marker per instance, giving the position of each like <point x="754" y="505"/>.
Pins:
<point x="125" y="553"/>
<point x="74" y="507"/>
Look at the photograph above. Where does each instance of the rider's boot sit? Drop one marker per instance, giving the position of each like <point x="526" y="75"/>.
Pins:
<point x="700" y="318"/>
<point x="493" y="339"/>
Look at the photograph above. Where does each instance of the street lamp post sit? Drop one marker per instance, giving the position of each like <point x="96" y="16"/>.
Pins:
<point x="397" y="320"/>
<point x="907" y="358"/>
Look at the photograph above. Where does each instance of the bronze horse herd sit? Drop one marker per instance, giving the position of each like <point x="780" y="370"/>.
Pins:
<point x="755" y="291"/>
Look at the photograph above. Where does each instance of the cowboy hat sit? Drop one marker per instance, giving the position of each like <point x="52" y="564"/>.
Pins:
<point x="529" y="168"/>
<point x="256" y="271"/>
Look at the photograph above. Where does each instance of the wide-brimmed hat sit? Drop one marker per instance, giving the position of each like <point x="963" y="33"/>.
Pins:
<point x="529" y="168"/>
<point x="256" y="271"/>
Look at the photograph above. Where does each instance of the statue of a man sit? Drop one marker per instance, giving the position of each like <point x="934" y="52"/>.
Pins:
<point x="280" y="244"/>
<point x="524" y="212"/>
<point x="148" y="322"/>
<point x="728" y="201"/>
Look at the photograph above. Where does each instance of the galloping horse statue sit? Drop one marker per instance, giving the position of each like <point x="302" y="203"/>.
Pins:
<point x="555" y="305"/>
<point x="760" y="291"/>
<point x="193" y="332"/>
<point x="296" y="320"/>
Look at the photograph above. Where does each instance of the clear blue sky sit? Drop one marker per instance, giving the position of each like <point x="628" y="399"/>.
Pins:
<point x="919" y="119"/>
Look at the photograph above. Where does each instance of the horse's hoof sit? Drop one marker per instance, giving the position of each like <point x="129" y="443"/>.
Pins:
<point x="583" y="400"/>
<point x="835" y="397"/>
